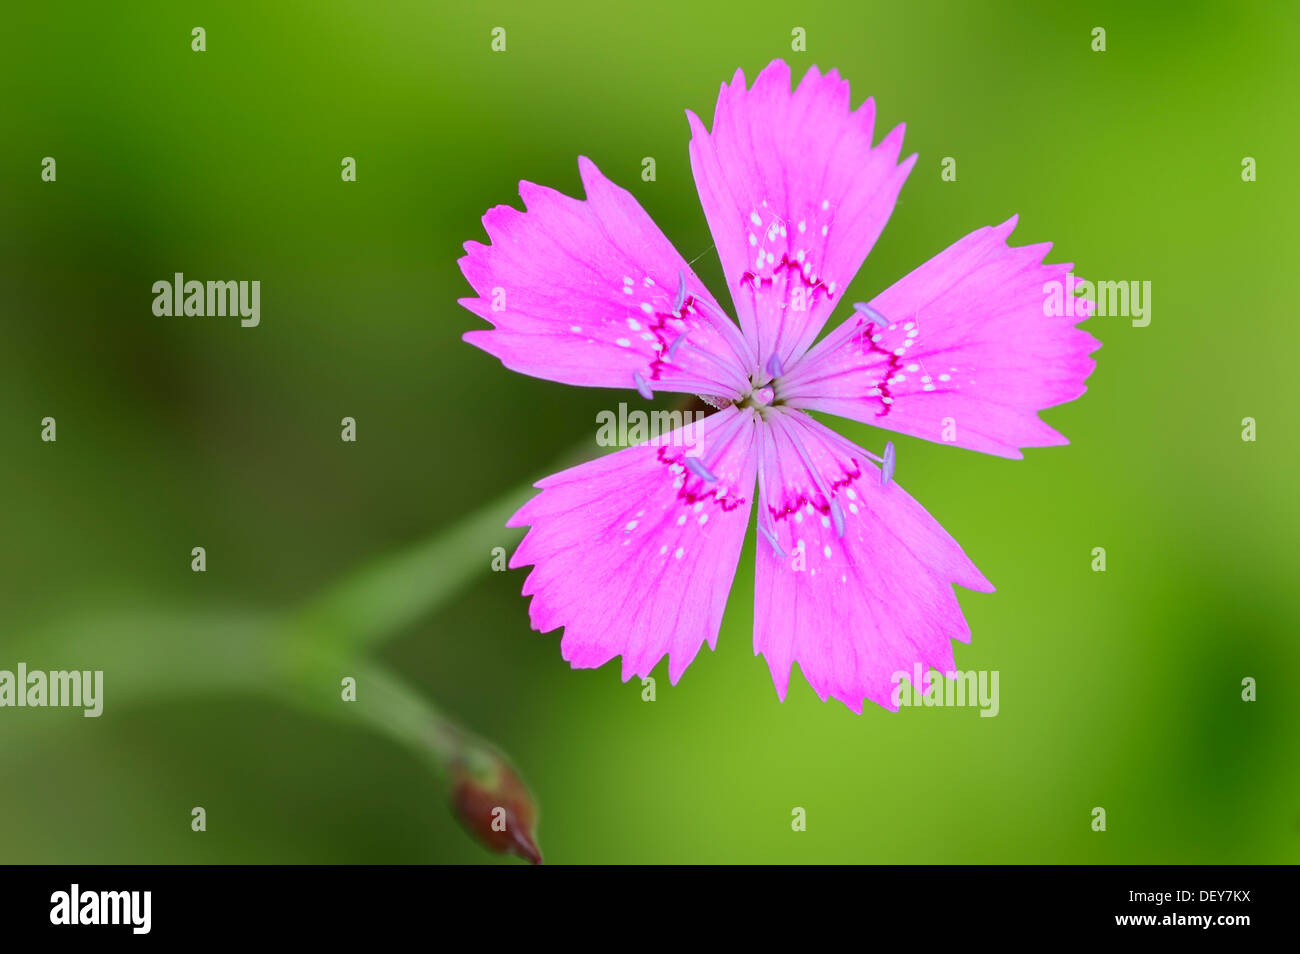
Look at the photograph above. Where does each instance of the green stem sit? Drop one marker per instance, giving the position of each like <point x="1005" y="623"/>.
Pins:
<point x="379" y="600"/>
<point x="159" y="656"/>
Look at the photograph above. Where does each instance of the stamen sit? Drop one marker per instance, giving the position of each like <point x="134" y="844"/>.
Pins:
<point x="728" y="368"/>
<point x="642" y="388"/>
<point x="837" y="514"/>
<point x="694" y="465"/>
<point x="771" y="538"/>
<point x="765" y="512"/>
<point x="807" y="373"/>
<point x="813" y="472"/>
<point x="870" y="312"/>
<point x="681" y="293"/>
<point x="676" y="342"/>
<point x="774" y="365"/>
<point x="851" y="449"/>
<point x="728" y="329"/>
<point x="887" y="469"/>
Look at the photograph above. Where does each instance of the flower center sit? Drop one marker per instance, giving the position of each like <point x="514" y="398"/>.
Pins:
<point x="760" y="397"/>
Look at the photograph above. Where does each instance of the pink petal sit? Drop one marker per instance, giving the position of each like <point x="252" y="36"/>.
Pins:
<point x="872" y="602"/>
<point x="984" y="356"/>
<point x="635" y="552"/>
<point x="795" y="196"/>
<point x="586" y="292"/>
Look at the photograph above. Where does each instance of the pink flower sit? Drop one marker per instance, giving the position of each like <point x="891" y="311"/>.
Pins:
<point x="634" y="553"/>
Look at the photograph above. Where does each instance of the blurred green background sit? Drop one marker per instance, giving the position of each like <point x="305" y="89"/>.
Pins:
<point x="1118" y="689"/>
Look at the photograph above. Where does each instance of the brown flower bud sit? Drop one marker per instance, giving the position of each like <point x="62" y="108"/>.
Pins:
<point x="495" y="807"/>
